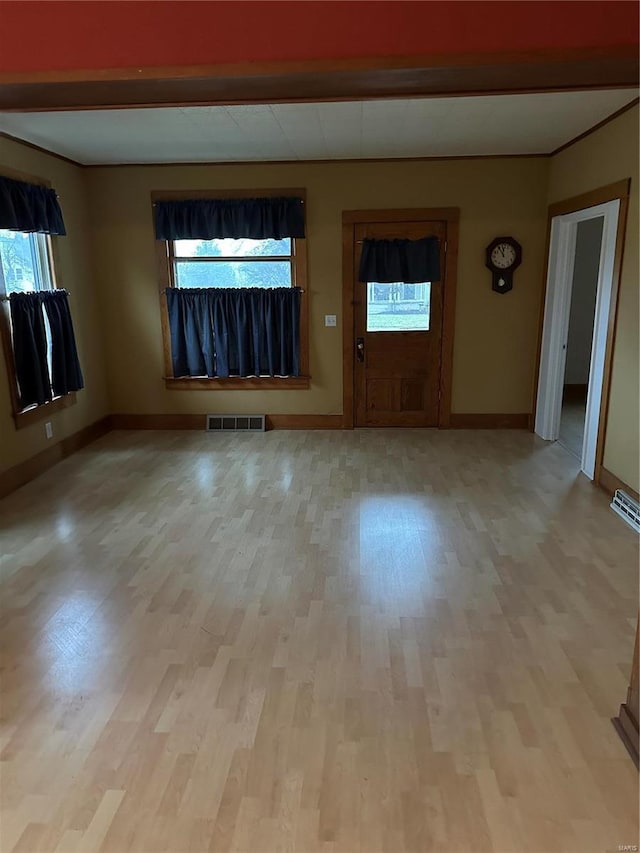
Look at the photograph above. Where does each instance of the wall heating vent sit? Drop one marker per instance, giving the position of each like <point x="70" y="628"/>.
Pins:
<point x="626" y="508"/>
<point x="236" y="423"/>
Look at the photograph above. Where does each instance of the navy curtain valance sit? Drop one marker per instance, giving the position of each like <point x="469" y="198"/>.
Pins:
<point x="392" y="261"/>
<point x="209" y="219"/>
<point x="221" y="332"/>
<point x="29" y="207"/>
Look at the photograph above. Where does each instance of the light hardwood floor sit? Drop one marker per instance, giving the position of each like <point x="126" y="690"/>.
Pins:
<point x="572" y="422"/>
<point x="337" y="641"/>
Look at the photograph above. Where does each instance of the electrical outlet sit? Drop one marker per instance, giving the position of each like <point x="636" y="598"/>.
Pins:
<point x="330" y="320"/>
<point x="48" y="429"/>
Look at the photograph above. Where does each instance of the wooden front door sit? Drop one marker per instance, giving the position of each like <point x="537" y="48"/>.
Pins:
<point x="397" y="337"/>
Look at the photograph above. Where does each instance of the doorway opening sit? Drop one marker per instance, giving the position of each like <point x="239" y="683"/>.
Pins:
<point x="582" y="312"/>
<point x="585" y="247"/>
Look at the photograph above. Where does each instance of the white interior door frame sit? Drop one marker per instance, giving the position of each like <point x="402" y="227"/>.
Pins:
<point x="562" y="251"/>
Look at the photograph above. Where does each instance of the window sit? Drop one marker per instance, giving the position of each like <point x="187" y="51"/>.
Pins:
<point x="234" y="263"/>
<point x="398" y="307"/>
<point x="36" y="328"/>
<point x="26" y="265"/>
<point x="26" y="261"/>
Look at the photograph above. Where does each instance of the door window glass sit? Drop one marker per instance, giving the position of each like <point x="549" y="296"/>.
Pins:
<point x="398" y="307"/>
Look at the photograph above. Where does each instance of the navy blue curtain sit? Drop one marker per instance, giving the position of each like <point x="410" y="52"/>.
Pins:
<point x="410" y="261"/>
<point x="29" y="207"/>
<point x="66" y="374"/>
<point x="208" y="219"/>
<point x="29" y="338"/>
<point x="221" y="332"/>
<point x="30" y="348"/>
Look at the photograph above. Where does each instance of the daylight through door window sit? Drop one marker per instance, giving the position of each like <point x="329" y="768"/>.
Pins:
<point x="398" y="306"/>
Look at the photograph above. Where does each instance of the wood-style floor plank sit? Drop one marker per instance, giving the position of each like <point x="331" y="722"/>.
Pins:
<point x="385" y="641"/>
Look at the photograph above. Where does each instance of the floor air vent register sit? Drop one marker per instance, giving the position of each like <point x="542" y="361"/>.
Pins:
<point x="626" y="508"/>
<point x="236" y="423"/>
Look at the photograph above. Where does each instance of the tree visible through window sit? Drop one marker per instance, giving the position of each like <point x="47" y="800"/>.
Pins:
<point x="233" y="263"/>
<point x="26" y="267"/>
<point x="197" y="249"/>
<point x="25" y="261"/>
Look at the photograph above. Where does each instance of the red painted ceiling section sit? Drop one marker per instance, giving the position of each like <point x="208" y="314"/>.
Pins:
<point x="74" y="34"/>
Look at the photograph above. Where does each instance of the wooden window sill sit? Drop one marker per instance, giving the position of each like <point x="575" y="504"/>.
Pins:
<point x="39" y="413"/>
<point x="237" y="383"/>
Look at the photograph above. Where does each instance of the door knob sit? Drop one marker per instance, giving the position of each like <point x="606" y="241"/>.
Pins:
<point x="360" y="349"/>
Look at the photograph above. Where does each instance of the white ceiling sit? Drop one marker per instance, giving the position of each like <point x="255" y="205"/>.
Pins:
<point x="417" y="127"/>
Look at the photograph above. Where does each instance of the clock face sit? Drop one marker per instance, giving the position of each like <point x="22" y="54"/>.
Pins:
<point x="503" y="256"/>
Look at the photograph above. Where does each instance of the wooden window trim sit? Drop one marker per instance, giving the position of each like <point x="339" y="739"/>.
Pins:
<point x="24" y="417"/>
<point x="165" y="280"/>
<point x="234" y="383"/>
<point x="35" y="414"/>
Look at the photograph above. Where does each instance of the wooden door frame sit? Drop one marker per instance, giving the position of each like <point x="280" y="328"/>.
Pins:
<point x="352" y="218"/>
<point x="617" y="191"/>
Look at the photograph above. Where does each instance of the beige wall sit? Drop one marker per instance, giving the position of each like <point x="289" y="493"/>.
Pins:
<point x="611" y="154"/>
<point x="496" y="335"/>
<point x="74" y="273"/>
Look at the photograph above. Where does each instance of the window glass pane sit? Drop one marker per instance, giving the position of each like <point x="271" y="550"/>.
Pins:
<point x="233" y="274"/>
<point x="24" y="261"/>
<point x="229" y="248"/>
<point x="26" y="268"/>
<point x="398" y="307"/>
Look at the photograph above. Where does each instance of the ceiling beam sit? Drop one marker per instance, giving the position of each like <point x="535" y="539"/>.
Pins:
<point x="322" y="80"/>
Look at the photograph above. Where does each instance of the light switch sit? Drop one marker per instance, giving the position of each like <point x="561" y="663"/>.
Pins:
<point x="330" y="319"/>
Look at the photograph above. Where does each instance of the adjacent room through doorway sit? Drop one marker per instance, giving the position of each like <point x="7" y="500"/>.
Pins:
<point x="580" y="336"/>
<point x="579" y="314"/>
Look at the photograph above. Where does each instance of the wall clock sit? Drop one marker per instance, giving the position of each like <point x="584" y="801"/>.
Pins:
<point x="504" y="255"/>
